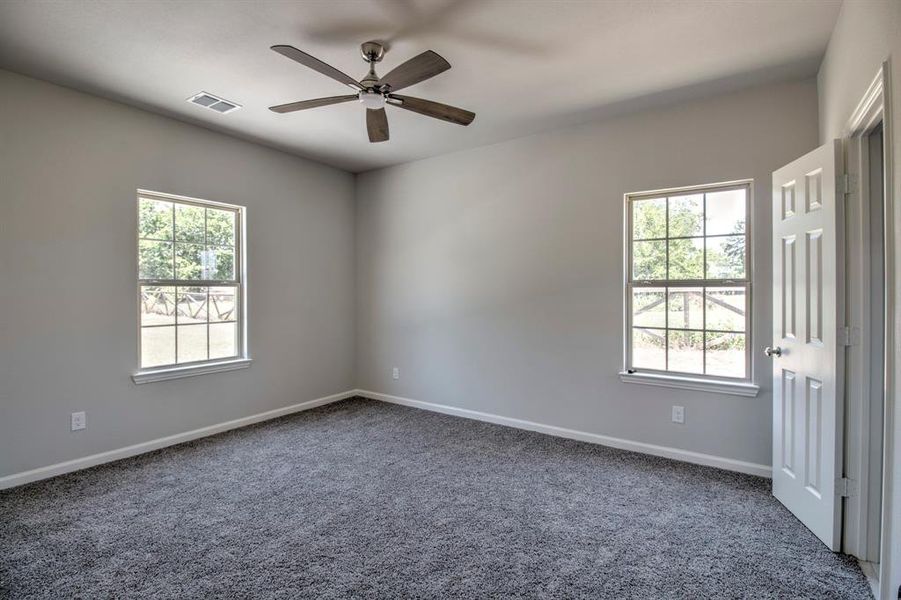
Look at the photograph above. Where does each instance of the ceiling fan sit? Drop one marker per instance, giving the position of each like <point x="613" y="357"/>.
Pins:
<point x="376" y="92"/>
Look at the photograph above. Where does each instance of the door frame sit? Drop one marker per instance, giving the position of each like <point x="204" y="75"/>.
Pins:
<point x="874" y="109"/>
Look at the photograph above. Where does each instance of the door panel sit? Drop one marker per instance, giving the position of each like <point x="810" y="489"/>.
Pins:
<point x="807" y="313"/>
<point x="789" y="263"/>
<point x="788" y="422"/>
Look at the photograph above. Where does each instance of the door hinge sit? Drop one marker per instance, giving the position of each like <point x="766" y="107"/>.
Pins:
<point x="848" y="336"/>
<point x="844" y="183"/>
<point x="845" y="487"/>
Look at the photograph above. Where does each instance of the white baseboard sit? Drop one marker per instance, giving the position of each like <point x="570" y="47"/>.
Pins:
<point x="698" y="458"/>
<point x="77" y="464"/>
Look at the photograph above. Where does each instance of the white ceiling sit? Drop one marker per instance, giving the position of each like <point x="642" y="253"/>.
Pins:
<point x="522" y="65"/>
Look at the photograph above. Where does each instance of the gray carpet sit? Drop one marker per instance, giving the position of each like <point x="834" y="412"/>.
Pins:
<point x="365" y="499"/>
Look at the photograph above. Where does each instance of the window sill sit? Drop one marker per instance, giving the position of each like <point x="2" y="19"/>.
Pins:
<point x="151" y="375"/>
<point x="691" y="383"/>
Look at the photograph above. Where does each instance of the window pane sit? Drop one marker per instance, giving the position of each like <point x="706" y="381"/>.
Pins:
<point x="157" y="305"/>
<point x="220" y="227"/>
<point x="194" y="245"/>
<point x="726" y="257"/>
<point x="155" y="219"/>
<point x="726" y="354"/>
<point x="649" y="218"/>
<point x="188" y="261"/>
<point x="155" y="260"/>
<point x="189" y="223"/>
<point x="191" y="343"/>
<point x="649" y="260"/>
<point x="686" y="215"/>
<point x="192" y="305"/>
<point x="219" y="262"/>
<point x="673" y="327"/>
<point x="648" y="349"/>
<point x="686" y="259"/>
<point x="726" y="309"/>
<point x="686" y="351"/>
<point x="222" y="305"/>
<point x="223" y="340"/>
<point x="726" y="212"/>
<point x="648" y="307"/>
<point x="157" y="346"/>
<point x="685" y="309"/>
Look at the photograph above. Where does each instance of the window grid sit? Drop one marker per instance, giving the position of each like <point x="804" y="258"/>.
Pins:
<point x="669" y="285"/>
<point x="178" y="285"/>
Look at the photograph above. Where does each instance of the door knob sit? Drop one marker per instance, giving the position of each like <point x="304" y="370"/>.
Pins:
<point x="771" y="352"/>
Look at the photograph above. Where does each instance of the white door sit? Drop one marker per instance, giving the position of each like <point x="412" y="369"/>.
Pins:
<point x="807" y="358"/>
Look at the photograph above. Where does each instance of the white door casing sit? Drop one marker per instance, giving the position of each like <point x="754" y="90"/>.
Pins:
<point x="808" y="312"/>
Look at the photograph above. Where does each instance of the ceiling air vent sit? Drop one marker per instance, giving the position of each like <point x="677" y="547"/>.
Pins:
<point x="207" y="100"/>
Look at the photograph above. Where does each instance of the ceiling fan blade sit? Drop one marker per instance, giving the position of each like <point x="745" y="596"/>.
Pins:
<point x="419" y="68"/>
<point x="377" y="124"/>
<point x="451" y="114"/>
<point x="317" y="65"/>
<point x="305" y="104"/>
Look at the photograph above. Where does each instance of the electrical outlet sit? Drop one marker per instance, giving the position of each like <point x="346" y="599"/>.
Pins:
<point x="79" y="421"/>
<point x="678" y="414"/>
<point x="395" y="373"/>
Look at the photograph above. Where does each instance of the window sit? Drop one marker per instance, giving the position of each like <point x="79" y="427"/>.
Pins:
<point x="190" y="281"/>
<point x="688" y="289"/>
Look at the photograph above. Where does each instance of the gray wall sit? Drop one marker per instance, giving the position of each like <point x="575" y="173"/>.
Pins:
<point x="493" y="277"/>
<point x="69" y="167"/>
<point x="865" y="35"/>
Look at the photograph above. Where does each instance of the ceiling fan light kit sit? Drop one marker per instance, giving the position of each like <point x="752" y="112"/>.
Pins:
<point x="372" y="100"/>
<point x="375" y="92"/>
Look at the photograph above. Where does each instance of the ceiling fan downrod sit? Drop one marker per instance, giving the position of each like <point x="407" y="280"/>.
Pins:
<point x="371" y="96"/>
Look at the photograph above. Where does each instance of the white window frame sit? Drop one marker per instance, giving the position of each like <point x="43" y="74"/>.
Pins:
<point x="189" y="369"/>
<point x="692" y="381"/>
